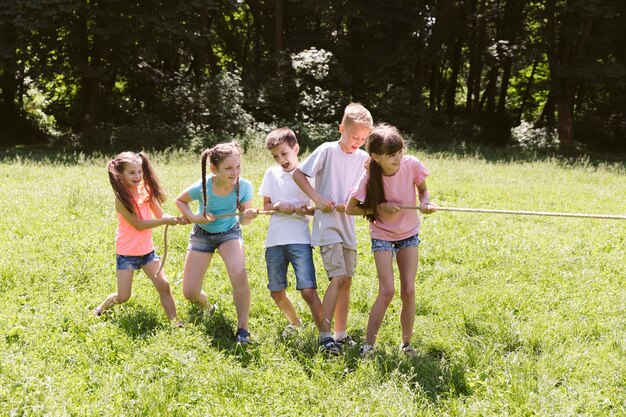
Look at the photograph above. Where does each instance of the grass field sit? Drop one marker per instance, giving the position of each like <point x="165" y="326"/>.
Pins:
<point x="516" y="315"/>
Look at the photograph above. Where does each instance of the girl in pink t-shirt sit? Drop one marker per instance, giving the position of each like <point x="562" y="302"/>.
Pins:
<point x="138" y="195"/>
<point x="390" y="183"/>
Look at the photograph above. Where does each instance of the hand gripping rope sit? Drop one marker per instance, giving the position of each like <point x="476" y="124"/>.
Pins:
<point x="459" y="209"/>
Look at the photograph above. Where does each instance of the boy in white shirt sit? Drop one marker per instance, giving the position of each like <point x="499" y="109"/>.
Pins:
<point x="336" y="168"/>
<point x="288" y="239"/>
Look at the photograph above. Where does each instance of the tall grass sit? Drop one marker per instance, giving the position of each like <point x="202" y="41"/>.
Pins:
<point x="516" y="315"/>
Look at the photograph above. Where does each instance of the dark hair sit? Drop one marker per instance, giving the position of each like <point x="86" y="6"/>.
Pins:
<point x="216" y="155"/>
<point x="384" y="139"/>
<point x="280" y="135"/>
<point x="151" y="182"/>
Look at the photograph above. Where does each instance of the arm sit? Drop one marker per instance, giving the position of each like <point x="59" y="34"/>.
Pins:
<point x="354" y="208"/>
<point x="248" y="213"/>
<point x="280" y="206"/>
<point x="182" y="203"/>
<point x="144" y="224"/>
<point x="320" y="201"/>
<point x="426" y="206"/>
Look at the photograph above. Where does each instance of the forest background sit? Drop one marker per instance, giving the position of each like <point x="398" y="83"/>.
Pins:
<point x="111" y="75"/>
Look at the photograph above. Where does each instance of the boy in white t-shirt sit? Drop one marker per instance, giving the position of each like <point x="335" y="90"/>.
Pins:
<point x="336" y="168"/>
<point x="288" y="239"/>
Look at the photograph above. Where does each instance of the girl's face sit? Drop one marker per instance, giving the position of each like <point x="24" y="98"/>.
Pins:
<point x="228" y="169"/>
<point x="132" y="174"/>
<point x="389" y="163"/>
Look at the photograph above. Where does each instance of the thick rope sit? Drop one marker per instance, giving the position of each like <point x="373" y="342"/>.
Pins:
<point x="524" y="213"/>
<point x="164" y="251"/>
<point x="439" y="208"/>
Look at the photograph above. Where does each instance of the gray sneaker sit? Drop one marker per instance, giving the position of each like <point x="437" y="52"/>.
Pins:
<point x="407" y="349"/>
<point x="367" y="351"/>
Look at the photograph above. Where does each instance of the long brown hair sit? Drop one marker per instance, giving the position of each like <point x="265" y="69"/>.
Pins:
<point x="216" y="155"/>
<point x="384" y="139"/>
<point x="116" y="169"/>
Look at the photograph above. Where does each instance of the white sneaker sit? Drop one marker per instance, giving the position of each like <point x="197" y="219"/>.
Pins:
<point x="367" y="351"/>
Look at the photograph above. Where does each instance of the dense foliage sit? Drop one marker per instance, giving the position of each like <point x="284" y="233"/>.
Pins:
<point x="97" y="74"/>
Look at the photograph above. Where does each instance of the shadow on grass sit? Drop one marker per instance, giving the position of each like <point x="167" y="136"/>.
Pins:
<point x="429" y="372"/>
<point x="221" y="333"/>
<point x="137" y="322"/>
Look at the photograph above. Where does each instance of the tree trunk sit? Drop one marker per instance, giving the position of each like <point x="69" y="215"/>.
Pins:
<point x="278" y="25"/>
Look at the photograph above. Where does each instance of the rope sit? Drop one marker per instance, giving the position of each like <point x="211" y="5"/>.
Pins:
<point x="525" y="213"/>
<point x="164" y="251"/>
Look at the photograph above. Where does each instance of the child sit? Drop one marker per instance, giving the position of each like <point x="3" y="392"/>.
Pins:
<point x="288" y="239"/>
<point x="389" y="184"/>
<point x="138" y="195"/>
<point x="336" y="168"/>
<point x="223" y="192"/>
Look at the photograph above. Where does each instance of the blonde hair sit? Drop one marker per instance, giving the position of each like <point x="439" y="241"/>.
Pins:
<point x="116" y="169"/>
<point x="356" y="113"/>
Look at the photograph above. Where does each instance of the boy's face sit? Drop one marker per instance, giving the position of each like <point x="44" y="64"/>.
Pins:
<point x="285" y="156"/>
<point x="352" y="136"/>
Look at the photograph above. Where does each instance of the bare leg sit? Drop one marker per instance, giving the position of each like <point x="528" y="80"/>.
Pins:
<point x="196" y="265"/>
<point x="124" y="288"/>
<point x="284" y="304"/>
<point x="162" y="285"/>
<point x="330" y="301"/>
<point x="384" y="266"/>
<point x="343" y="305"/>
<point x="407" y="266"/>
<point x="315" y="304"/>
<point x="234" y="259"/>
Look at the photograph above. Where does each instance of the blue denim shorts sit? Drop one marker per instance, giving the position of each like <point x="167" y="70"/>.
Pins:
<point x="379" y="244"/>
<point x="202" y="241"/>
<point x="277" y="258"/>
<point x="135" y="262"/>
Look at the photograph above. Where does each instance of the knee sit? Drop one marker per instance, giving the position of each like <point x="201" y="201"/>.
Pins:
<point x="308" y="294"/>
<point x="191" y="295"/>
<point x="408" y="293"/>
<point x="163" y="287"/>
<point x="122" y="298"/>
<point x="385" y="295"/>
<point x="277" y="295"/>
<point x="340" y="281"/>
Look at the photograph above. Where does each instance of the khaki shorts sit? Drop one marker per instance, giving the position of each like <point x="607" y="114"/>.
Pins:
<point x="338" y="260"/>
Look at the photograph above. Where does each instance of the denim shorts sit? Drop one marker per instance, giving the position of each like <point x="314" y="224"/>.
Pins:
<point x="202" y="241"/>
<point x="277" y="258"/>
<point x="395" y="246"/>
<point x="135" y="262"/>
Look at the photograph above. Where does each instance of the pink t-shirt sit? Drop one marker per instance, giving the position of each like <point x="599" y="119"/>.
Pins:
<point x="130" y="241"/>
<point x="400" y="188"/>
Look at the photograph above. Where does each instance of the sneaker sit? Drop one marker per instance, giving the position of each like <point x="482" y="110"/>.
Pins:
<point x="367" y="351"/>
<point x="330" y="347"/>
<point x="407" y="349"/>
<point x="290" y="331"/>
<point x="346" y="341"/>
<point x="210" y="309"/>
<point x="242" y="337"/>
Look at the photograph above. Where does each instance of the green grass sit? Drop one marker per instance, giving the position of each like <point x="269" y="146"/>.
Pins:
<point x="516" y="315"/>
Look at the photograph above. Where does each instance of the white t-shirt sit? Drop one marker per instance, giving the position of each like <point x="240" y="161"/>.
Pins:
<point x="336" y="174"/>
<point x="285" y="229"/>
